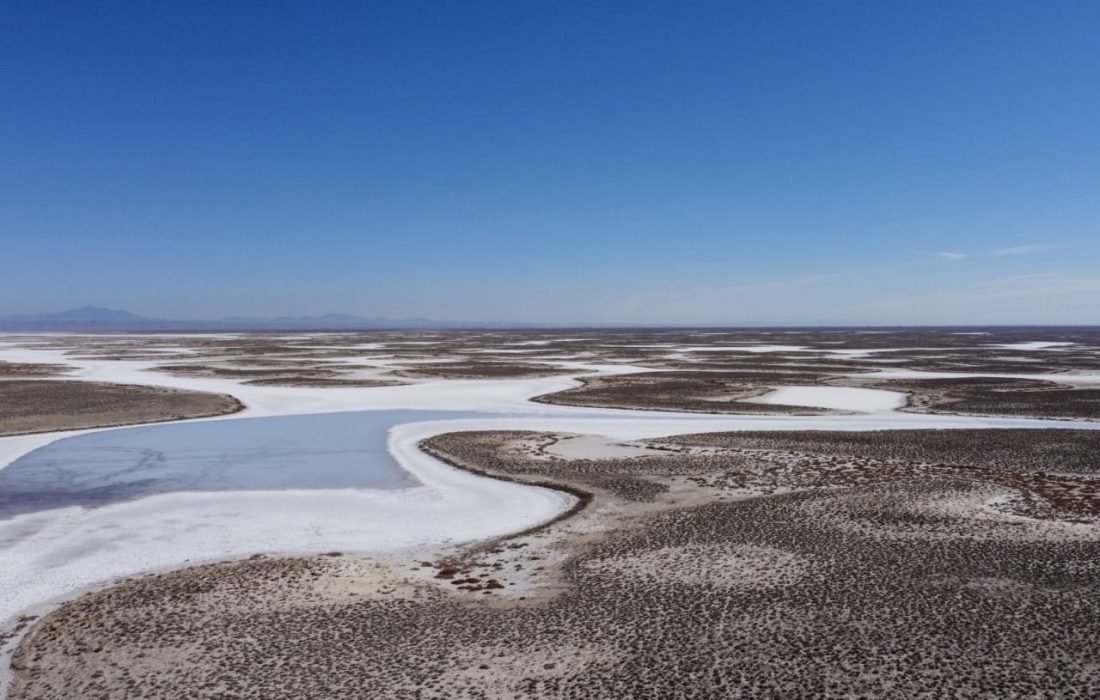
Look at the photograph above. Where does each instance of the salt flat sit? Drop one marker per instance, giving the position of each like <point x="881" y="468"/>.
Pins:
<point x="834" y="397"/>
<point x="50" y="554"/>
<point x="1073" y="378"/>
<point x="45" y="555"/>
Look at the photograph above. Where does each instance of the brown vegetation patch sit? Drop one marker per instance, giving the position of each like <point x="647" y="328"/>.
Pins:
<point x="252" y="372"/>
<point x="28" y="369"/>
<point x="995" y="396"/>
<point x="689" y="391"/>
<point x="28" y="406"/>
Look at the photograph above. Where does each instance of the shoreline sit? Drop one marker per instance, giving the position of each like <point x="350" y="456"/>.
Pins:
<point x="444" y="483"/>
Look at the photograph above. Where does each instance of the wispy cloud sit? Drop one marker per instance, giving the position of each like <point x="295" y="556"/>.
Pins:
<point x="1024" y="249"/>
<point x="956" y="256"/>
<point x="948" y="255"/>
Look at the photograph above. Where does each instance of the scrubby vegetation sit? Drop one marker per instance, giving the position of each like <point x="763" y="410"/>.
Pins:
<point x="28" y="406"/>
<point x="881" y="564"/>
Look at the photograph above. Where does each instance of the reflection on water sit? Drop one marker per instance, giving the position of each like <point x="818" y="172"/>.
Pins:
<point x="326" y="451"/>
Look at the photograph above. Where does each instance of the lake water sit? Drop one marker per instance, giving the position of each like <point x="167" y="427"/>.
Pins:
<point x="325" y="451"/>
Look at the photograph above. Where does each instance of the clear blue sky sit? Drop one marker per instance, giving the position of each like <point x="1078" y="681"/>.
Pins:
<point x="681" y="162"/>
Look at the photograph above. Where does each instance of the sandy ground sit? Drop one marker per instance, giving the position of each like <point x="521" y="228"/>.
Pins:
<point x="594" y="447"/>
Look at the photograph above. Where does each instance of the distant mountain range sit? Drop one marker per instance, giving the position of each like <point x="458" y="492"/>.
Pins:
<point x="97" y="318"/>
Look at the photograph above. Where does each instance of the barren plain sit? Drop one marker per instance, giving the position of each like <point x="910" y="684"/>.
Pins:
<point x="631" y="513"/>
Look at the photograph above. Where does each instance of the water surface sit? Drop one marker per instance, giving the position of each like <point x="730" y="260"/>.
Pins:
<point x="324" y="451"/>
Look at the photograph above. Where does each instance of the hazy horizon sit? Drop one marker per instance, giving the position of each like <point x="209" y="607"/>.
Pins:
<point x="430" y="324"/>
<point x="792" y="163"/>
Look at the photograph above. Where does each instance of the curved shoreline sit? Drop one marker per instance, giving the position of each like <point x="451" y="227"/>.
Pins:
<point x="584" y="498"/>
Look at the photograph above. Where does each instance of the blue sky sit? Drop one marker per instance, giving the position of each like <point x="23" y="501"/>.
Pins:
<point x="792" y="162"/>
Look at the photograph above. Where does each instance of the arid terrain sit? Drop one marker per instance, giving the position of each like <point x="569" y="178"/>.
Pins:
<point x="29" y="406"/>
<point x="924" y="524"/>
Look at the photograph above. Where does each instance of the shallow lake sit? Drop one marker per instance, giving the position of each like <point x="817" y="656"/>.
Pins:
<point x="323" y="451"/>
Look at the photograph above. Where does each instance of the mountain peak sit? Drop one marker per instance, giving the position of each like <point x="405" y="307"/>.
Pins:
<point x="95" y="313"/>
